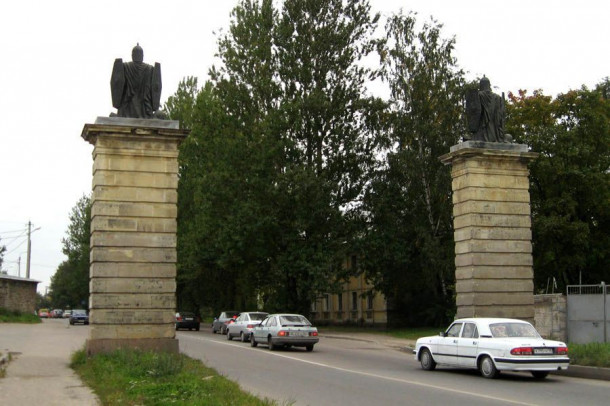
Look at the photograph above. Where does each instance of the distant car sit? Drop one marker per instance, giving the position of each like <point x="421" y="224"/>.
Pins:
<point x="285" y="330"/>
<point x="57" y="313"/>
<point x="67" y="314"/>
<point x="43" y="313"/>
<point x="79" y="316"/>
<point x="187" y="320"/>
<point x="244" y="324"/>
<point x="220" y="323"/>
<point x="492" y="345"/>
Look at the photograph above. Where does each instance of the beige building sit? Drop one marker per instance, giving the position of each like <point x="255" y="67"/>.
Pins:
<point x="357" y="303"/>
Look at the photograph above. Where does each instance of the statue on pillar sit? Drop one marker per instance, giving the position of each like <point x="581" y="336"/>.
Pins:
<point x="485" y="114"/>
<point x="136" y="86"/>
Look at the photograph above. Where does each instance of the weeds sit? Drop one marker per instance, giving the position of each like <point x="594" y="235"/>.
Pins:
<point x="133" y="377"/>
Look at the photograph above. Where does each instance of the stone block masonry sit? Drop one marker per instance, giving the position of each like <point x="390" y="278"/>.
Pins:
<point x="132" y="298"/>
<point x="492" y="230"/>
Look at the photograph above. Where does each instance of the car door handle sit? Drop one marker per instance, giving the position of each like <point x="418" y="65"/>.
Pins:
<point x="474" y="343"/>
<point x="454" y="341"/>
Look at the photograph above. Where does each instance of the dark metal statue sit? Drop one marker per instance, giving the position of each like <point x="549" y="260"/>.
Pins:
<point x="136" y="86"/>
<point x="485" y="113"/>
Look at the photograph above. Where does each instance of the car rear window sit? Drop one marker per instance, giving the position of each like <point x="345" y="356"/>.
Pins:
<point x="294" y="321"/>
<point x="257" y="316"/>
<point x="513" y="330"/>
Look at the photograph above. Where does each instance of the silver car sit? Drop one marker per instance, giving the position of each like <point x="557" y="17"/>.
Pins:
<point x="285" y="330"/>
<point x="244" y="324"/>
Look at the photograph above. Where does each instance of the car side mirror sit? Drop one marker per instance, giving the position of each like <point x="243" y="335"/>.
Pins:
<point x="442" y="334"/>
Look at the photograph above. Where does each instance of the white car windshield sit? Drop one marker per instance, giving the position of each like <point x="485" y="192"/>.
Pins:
<point x="294" y="321"/>
<point x="513" y="330"/>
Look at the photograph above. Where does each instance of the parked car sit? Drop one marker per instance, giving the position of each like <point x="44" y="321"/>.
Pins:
<point x="220" y="323"/>
<point x="187" y="320"/>
<point x="57" y="313"/>
<point x="492" y="345"/>
<point x="67" y="314"/>
<point x="285" y="330"/>
<point x="43" y="313"/>
<point x="79" y="316"/>
<point x="244" y="324"/>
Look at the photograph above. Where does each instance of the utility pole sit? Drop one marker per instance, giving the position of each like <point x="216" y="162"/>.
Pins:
<point x="19" y="266"/>
<point x="27" y="265"/>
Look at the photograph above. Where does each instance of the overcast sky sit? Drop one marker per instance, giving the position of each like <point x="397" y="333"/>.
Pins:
<point x="57" y="59"/>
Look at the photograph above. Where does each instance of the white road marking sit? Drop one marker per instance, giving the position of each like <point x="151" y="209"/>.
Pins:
<point x="352" y="371"/>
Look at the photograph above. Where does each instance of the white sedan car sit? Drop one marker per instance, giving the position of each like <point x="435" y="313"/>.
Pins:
<point x="492" y="345"/>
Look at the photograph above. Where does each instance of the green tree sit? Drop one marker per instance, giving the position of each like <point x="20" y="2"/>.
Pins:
<point x="408" y="248"/>
<point x="2" y="251"/>
<point x="569" y="182"/>
<point x="70" y="283"/>
<point x="271" y="180"/>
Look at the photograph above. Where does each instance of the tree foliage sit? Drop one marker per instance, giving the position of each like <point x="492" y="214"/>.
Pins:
<point x="70" y="283"/>
<point x="280" y="165"/>
<point x="2" y="251"/>
<point x="570" y="182"/>
<point x="408" y="249"/>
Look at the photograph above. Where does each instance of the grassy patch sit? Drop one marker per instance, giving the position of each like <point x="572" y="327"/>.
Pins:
<point x="592" y="354"/>
<point x="11" y="316"/>
<point x="131" y="377"/>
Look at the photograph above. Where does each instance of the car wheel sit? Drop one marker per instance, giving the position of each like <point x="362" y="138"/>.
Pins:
<point x="177" y="328"/>
<point x="242" y="337"/>
<point x="426" y="360"/>
<point x="309" y="347"/>
<point x="540" y="374"/>
<point x="197" y="328"/>
<point x="229" y="337"/>
<point x="487" y="368"/>
<point x="270" y="344"/>
<point x="213" y="330"/>
<point x="253" y="342"/>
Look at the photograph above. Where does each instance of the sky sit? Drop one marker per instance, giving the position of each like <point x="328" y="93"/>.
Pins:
<point x="56" y="59"/>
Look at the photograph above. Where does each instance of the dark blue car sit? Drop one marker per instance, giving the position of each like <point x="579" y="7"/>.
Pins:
<point x="79" y="316"/>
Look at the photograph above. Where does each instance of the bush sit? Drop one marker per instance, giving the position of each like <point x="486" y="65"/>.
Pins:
<point x="591" y="354"/>
<point x="13" y="316"/>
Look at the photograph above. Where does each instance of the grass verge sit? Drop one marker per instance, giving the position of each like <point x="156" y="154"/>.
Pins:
<point x="132" y="377"/>
<point x="591" y="354"/>
<point x="412" y="333"/>
<point x="11" y="316"/>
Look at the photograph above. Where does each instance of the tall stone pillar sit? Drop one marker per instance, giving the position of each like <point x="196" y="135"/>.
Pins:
<point x="133" y="233"/>
<point x="492" y="229"/>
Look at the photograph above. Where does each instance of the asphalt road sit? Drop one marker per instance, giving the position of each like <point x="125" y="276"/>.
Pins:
<point x="353" y="372"/>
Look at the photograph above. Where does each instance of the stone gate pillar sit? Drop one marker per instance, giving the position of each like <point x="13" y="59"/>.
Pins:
<point x="132" y="298"/>
<point x="492" y="229"/>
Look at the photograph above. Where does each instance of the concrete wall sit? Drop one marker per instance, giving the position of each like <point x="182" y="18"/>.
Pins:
<point x="18" y="294"/>
<point x="551" y="316"/>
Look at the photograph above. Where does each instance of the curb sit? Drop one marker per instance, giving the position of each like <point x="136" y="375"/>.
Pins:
<point x="579" y="371"/>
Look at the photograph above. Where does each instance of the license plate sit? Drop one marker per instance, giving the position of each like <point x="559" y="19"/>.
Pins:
<point x="543" y="351"/>
<point x="299" y="333"/>
<point x="189" y="319"/>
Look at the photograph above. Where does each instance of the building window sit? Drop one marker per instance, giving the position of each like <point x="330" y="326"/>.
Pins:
<point x="326" y="302"/>
<point x="369" y="301"/>
<point x="354" y="301"/>
<point x="340" y="301"/>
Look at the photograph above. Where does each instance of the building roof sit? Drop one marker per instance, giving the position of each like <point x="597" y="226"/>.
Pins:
<point x="17" y="278"/>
